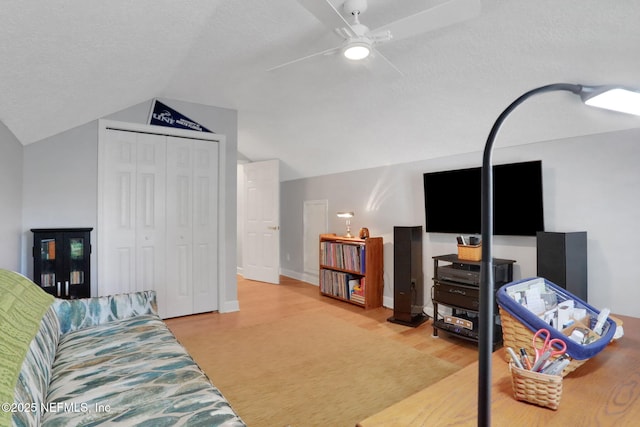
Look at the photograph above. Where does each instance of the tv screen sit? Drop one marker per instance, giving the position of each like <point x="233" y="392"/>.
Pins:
<point x="453" y="199"/>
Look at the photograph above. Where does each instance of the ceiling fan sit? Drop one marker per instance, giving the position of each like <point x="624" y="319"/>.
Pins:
<point x="359" y="42"/>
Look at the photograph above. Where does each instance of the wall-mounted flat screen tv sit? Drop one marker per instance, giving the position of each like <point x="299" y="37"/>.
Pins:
<point x="452" y="200"/>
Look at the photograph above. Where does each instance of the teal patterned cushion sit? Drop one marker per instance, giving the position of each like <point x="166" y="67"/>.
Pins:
<point x="35" y="373"/>
<point x="132" y="372"/>
<point x="81" y="313"/>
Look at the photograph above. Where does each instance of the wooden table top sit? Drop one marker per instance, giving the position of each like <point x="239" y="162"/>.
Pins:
<point x="604" y="391"/>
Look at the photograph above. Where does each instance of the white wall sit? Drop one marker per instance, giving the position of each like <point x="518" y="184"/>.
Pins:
<point x="10" y="199"/>
<point x="590" y="184"/>
<point x="60" y="181"/>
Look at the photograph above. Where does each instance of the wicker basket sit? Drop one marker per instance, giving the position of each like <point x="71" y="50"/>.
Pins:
<point x="516" y="336"/>
<point x="470" y="252"/>
<point x="533" y="387"/>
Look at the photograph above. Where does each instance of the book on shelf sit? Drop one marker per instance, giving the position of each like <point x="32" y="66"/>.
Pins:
<point x="357" y="293"/>
<point x="47" y="279"/>
<point x="357" y="298"/>
<point x="343" y="255"/>
<point x="338" y="283"/>
<point x="48" y="249"/>
<point x="76" y="248"/>
<point x="353" y="284"/>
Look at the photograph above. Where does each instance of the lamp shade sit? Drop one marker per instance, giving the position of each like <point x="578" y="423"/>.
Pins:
<point x="616" y="99"/>
<point x="344" y="214"/>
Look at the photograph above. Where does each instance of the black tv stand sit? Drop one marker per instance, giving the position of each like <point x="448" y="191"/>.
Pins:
<point x="457" y="286"/>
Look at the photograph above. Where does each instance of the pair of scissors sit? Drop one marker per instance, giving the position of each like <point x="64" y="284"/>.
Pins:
<point x="550" y="347"/>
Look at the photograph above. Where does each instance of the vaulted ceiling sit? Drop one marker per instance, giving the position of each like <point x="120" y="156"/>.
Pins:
<point x="68" y="62"/>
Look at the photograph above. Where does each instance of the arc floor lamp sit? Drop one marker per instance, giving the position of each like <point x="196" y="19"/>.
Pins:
<point x="608" y="97"/>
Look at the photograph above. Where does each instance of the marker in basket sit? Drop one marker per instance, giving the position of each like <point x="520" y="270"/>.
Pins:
<point x="515" y="358"/>
<point x="602" y="317"/>
<point x="557" y="366"/>
<point x="525" y="358"/>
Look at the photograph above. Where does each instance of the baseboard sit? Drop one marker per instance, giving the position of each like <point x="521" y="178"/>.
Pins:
<point x="304" y="277"/>
<point x="387" y="302"/>
<point x="229" y="306"/>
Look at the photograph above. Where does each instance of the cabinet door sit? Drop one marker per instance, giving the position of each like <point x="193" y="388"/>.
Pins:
<point x="76" y="267"/>
<point x="46" y="262"/>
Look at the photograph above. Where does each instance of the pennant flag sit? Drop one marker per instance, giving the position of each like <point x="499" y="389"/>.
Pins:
<point x="163" y="115"/>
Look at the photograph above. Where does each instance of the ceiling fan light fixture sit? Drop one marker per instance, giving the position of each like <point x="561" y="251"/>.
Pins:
<point x="357" y="50"/>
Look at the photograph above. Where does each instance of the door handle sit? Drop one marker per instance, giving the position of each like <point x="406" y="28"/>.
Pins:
<point x="274" y="227"/>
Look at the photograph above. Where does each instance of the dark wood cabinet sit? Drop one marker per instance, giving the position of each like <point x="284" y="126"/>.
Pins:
<point x="61" y="261"/>
<point x="457" y="286"/>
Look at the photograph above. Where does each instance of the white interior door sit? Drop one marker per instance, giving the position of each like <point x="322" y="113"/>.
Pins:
<point x="261" y="246"/>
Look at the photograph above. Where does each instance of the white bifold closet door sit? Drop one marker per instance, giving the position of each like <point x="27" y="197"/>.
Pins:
<point x="158" y="219"/>
<point x="191" y="226"/>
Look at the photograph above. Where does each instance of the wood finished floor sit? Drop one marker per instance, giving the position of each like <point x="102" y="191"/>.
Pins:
<point x="262" y="302"/>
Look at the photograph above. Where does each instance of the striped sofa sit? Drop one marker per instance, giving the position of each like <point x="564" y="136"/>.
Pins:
<point x="106" y="360"/>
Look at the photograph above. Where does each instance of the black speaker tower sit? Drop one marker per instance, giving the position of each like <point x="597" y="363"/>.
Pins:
<point x="408" y="278"/>
<point x="562" y="259"/>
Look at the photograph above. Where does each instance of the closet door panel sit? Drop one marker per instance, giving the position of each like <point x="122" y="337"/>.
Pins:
<point x="179" y="226"/>
<point x="133" y="209"/>
<point x="150" y="216"/>
<point x="116" y="269"/>
<point x="205" y="226"/>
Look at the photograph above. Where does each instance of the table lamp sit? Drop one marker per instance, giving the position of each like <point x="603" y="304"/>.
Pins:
<point x="347" y="216"/>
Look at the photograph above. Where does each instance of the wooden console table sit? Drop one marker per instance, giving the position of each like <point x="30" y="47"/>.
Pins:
<point x="605" y="391"/>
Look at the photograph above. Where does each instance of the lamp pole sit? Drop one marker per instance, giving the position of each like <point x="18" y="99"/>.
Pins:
<point x="487" y="283"/>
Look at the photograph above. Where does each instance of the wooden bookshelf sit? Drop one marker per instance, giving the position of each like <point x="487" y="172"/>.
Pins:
<point x="351" y="269"/>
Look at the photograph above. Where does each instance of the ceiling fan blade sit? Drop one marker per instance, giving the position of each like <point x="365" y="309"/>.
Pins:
<point x="377" y="54"/>
<point x="324" y="52"/>
<point x="440" y="16"/>
<point x="326" y="13"/>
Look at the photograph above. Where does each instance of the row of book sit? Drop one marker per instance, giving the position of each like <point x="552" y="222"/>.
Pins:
<point x="344" y="256"/>
<point x="49" y="279"/>
<point x="342" y="285"/>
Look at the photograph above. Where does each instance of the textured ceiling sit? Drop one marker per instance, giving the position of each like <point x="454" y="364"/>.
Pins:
<point x="67" y="62"/>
